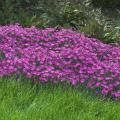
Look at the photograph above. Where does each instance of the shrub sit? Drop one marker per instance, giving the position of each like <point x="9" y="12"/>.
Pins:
<point x="112" y="33"/>
<point x="60" y="55"/>
<point x="69" y="15"/>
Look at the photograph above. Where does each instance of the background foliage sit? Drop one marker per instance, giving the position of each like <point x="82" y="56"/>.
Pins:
<point x="107" y="3"/>
<point x="81" y="15"/>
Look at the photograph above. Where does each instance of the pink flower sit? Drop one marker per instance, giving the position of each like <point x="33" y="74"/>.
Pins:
<point x="63" y="54"/>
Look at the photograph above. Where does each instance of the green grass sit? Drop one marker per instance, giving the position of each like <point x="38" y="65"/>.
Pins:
<point x="24" y="101"/>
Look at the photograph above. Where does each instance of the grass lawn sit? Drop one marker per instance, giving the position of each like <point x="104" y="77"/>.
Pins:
<point x="23" y="101"/>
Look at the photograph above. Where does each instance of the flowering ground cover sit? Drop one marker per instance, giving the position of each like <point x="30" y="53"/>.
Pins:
<point x="55" y="56"/>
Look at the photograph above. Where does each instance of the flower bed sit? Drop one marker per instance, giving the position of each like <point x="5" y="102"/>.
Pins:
<point x="60" y="55"/>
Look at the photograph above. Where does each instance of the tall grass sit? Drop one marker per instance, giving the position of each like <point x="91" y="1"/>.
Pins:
<point x="20" y="100"/>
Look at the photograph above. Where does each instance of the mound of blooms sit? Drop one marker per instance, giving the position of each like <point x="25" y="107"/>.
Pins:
<point x="60" y="55"/>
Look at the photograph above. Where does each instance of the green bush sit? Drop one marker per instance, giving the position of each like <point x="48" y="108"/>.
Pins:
<point x="68" y="16"/>
<point x="112" y="34"/>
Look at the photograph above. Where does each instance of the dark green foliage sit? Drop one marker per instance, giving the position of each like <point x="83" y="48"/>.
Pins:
<point x="43" y="13"/>
<point x="12" y="11"/>
<point x="69" y="15"/>
<point x="107" y="3"/>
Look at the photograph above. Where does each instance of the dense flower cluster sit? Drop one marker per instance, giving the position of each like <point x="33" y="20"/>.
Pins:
<point x="60" y="55"/>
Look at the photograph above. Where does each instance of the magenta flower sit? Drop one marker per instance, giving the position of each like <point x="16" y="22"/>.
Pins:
<point x="60" y="55"/>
